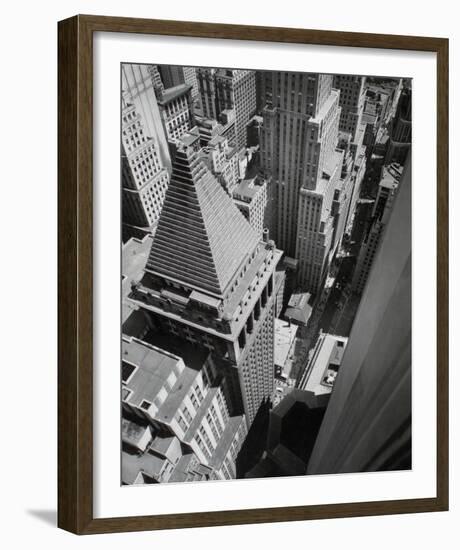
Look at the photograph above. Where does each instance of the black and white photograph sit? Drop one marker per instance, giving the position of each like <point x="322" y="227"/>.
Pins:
<point x="265" y="273"/>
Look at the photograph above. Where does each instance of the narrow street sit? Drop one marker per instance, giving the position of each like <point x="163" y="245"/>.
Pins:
<point x="335" y="308"/>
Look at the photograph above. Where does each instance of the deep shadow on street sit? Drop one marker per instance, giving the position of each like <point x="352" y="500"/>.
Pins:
<point x="255" y="442"/>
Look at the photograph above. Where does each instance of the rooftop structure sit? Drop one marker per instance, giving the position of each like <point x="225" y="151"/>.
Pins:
<point x="200" y="251"/>
<point x="299" y="309"/>
<point x="285" y="334"/>
<point x="323" y="365"/>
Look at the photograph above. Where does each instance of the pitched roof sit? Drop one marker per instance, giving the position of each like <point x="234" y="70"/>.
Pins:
<point x="202" y="238"/>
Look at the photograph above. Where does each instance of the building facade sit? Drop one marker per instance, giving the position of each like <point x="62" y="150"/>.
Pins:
<point x="367" y="425"/>
<point x="176" y="111"/>
<point x="144" y="176"/>
<point x="299" y="137"/>
<point x="207" y="92"/>
<point x="352" y="98"/>
<point x="228" y="89"/>
<point x="140" y="83"/>
<point x="379" y="220"/>
<point x="222" y="159"/>
<point x="400" y="130"/>
<point x="250" y="196"/>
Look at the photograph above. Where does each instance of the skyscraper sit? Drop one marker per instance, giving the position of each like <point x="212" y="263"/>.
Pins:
<point x="142" y="86"/>
<point x="352" y="98"/>
<point x="228" y="89"/>
<point x="379" y="220"/>
<point x="236" y="89"/>
<point x="210" y="278"/>
<point x="207" y="91"/>
<point x="400" y="129"/>
<point x="144" y="175"/>
<point x="367" y="425"/>
<point x="176" y="111"/>
<point x="298" y="155"/>
<point x="155" y="75"/>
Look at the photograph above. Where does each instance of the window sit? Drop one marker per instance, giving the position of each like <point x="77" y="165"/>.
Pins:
<point x="127" y="369"/>
<point x="145" y="405"/>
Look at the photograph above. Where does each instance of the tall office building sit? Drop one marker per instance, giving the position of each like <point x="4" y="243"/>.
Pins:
<point x="155" y="75"/>
<point x="144" y="175"/>
<point x="176" y="111"/>
<point x="228" y="89"/>
<point x="141" y="84"/>
<point x="210" y="278"/>
<point x="379" y="220"/>
<point x="400" y="130"/>
<point x="367" y="425"/>
<point x="349" y="189"/>
<point x="315" y="232"/>
<point x="236" y="89"/>
<point x="352" y="98"/>
<point x="207" y="91"/>
<point x="298" y="155"/>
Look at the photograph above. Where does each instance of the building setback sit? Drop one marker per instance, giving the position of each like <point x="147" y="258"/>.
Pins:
<point x="210" y="278"/>
<point x="298" y="141"/>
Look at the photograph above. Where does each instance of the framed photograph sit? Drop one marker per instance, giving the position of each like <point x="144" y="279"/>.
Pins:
<point x="253" y="274"/>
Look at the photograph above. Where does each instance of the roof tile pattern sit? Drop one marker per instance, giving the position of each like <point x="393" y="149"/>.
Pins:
<point x="202" y="238"/>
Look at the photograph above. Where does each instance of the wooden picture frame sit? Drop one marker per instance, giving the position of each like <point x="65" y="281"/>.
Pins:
<point x="75" y="168"/>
